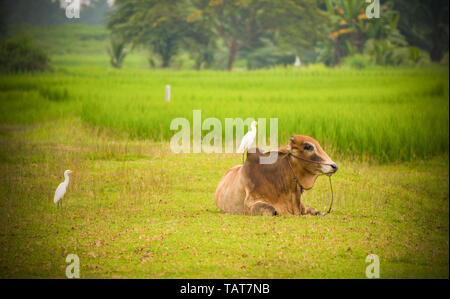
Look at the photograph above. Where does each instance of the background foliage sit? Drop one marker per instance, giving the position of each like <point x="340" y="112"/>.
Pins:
<point x="222" y="34"/>
<point x="20" y="55"/>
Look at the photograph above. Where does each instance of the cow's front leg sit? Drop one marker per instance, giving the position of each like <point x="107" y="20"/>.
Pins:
<point x="255" y="206"/>
<point x="310" y="211"/>
<point x="262" y="208"/>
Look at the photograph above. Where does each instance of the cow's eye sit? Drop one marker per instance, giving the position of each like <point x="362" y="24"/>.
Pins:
<point x="308" y="147"/>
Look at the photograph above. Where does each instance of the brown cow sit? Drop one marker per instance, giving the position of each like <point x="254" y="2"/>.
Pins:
<point x="271" y="189"/>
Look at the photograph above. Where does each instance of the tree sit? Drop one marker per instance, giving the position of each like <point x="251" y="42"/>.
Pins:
<point x="201" y="41"/>
<point x="19" y="54"/>
<point x="240" y="23"/>
<point x="160" y="25"/>
<point x="117" y="52"/>
<point x="351" y="31"/>
<point x="268" y="53"/>
<point x="425" y="25"/>
<point x="348" y="30"/>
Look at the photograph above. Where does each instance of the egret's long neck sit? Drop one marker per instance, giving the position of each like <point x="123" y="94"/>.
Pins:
<point x="66" y="179"/>
<point x="254" y="129"/>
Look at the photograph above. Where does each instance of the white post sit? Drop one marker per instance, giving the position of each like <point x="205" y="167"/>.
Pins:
<point x="167" y="94"/>
<point x="297" y="62"/>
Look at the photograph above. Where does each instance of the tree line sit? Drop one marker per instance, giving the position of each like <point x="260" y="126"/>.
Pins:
<point x="407" y="32"/>
<point x="216" y="33"/>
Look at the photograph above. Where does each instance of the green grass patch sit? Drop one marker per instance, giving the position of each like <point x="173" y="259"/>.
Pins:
<point x="376" y="114"/>
<point x="154" y="216"/>
<point x="134" y="209"/>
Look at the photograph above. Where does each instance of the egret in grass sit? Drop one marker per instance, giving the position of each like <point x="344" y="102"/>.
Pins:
<point x="248" y="140"/>
<point x="61" y="190"/>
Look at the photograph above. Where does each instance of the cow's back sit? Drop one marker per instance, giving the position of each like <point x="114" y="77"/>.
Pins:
<point x="230" y="192"/>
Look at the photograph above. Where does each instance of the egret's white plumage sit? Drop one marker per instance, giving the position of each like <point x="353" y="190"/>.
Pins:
<point x="61" y="190"/>
<point x="248" y="140"/>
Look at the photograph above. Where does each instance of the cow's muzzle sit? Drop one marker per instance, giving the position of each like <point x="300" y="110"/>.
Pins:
<point x="330" y="168"/>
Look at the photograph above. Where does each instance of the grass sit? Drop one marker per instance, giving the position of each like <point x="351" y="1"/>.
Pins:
<point x="378" y="114"/>
<point x="134" y="209"/>
<point x="381" y="114"/>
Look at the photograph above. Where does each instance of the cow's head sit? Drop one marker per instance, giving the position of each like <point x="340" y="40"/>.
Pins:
<point x="309" y="149"/>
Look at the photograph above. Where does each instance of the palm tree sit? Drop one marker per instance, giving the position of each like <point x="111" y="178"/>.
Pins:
<point x="117" y="52"/>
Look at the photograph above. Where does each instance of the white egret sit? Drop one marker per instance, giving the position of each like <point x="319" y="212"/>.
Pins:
<point x="248" y="140"/>
<point x="61" y="190"/>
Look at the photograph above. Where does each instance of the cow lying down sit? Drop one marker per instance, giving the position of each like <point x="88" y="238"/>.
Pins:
<point x="271" y="189"/>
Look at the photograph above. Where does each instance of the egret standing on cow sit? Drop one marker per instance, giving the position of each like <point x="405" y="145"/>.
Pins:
<point x="247" y="140"/>
<point x="61" y="190"/>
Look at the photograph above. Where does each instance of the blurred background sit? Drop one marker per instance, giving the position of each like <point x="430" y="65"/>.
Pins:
<point x="223" y="34"/>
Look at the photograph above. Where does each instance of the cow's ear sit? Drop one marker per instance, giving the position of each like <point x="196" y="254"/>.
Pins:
<point x="292" y="139"/>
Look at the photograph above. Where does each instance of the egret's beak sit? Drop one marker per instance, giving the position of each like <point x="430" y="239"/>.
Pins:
<point x="256" y="122"/>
